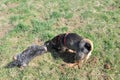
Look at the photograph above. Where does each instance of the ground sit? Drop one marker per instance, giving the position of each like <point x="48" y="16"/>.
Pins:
<point x="27" y="22"/>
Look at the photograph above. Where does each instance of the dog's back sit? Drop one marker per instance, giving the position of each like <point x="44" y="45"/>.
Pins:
<point x="72" y="40"/>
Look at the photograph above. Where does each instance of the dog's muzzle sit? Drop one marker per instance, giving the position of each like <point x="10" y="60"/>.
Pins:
<point x="79" y="56"/>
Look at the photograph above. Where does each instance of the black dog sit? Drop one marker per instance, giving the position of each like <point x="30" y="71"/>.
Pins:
<point x="22" y="59"/>
<point x="67" y="42"/>
<point x="72" y="43"/>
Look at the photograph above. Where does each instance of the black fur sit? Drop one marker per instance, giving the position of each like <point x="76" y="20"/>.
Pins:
<point x="22" y="59"/>
<point x="72" y="41"/>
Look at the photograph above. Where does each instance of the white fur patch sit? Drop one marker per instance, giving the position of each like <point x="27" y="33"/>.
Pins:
<point x="89" y="54"/>
<point x="45" y="48"/>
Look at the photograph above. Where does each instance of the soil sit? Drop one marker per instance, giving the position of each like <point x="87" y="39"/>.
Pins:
<point x="5" y="24"/>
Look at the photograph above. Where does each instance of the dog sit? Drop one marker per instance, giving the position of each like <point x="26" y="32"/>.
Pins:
<point x="22" y="59"/>
<point x="67" y="42"/>
<point x="72" y="43"/>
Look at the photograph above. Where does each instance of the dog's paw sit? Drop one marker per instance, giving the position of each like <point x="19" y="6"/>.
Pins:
<point x="19" y="61"/>
<point x="14" y="57"/>
<point x="70" y="51"/>
<point x="22" y="66"/>
<point x="62" y="68"/>
<point x="69" y="65"/>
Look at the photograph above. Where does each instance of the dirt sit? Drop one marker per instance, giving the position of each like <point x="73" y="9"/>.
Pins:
<point x="107" y="66"/>
<point x="3" y="31"/>
<point x="94" y="60"/>
<point x="5" y="24"/>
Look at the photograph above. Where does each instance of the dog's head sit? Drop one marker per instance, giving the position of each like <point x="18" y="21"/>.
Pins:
<point x="85" y="47"/>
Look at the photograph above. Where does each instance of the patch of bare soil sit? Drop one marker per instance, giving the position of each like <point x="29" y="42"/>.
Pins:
<point x="5" y="25"/>
<point x="107" y="66"/>
<point x="3" y="31"/>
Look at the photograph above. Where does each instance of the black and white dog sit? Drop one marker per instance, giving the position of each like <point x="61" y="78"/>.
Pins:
<point x="67" y="42"/>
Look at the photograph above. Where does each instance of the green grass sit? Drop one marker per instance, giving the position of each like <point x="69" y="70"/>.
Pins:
<point x="27" y="22"/>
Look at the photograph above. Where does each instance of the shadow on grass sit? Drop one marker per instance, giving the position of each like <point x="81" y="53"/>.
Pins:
<point x="66" y="57"/>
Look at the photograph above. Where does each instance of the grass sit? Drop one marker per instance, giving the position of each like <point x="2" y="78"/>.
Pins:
<point x="26" y="22"/>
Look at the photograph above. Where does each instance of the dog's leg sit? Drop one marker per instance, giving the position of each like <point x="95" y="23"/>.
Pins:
<point x="70" y="51"/>
<point x="87" y="57"/>
<point x="62" y="69"/>
<point x="80" y="63"/>
<point x="27" y="55"/>
<point x="85" y="60"/>
<point x="71" y="65"/>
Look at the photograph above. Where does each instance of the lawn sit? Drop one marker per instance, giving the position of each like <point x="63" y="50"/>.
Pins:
<point x="27" y="22"/>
